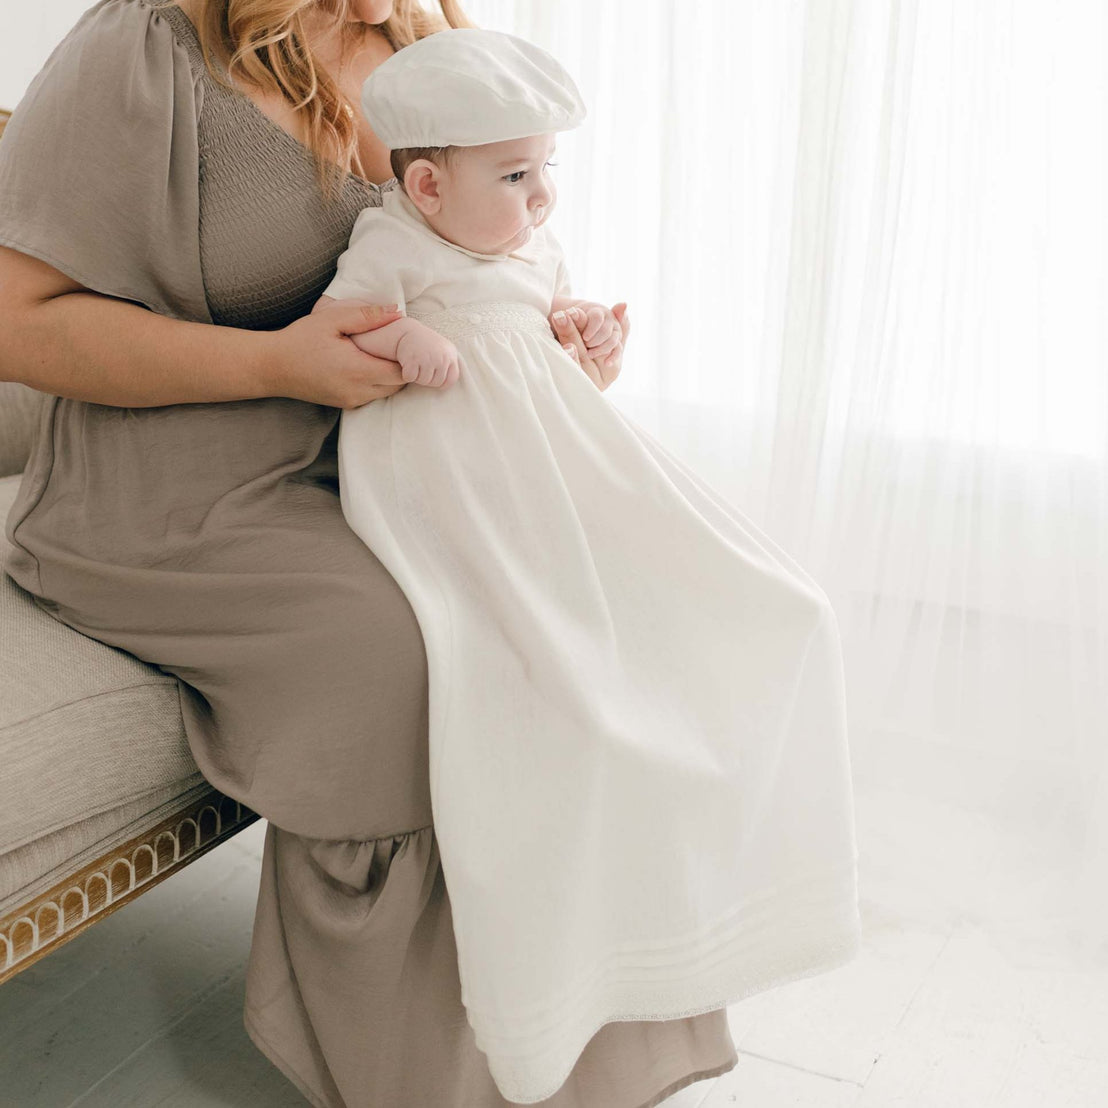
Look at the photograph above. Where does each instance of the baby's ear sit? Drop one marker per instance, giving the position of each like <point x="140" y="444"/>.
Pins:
<point x="421" y="184"/>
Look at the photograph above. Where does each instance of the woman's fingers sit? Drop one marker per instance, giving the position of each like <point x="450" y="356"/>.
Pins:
<point x="568" y="334"/>
<point x="602" y="370"/>
<point x="352" y="317"/>
<point x="572" y="343"/>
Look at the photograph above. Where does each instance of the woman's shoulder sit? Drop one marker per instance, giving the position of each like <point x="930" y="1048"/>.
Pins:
<point x="127" y="38"/>
<point x="182" y="18"/>
<point x="99" y="166"/>
<point x="132" y="59"/>
<point x="124" y="63"/>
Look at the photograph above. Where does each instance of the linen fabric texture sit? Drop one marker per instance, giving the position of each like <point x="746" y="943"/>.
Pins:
<point x="467" y="87"/>
<point x="209" y="540"/>
<point x="640" y="776"/>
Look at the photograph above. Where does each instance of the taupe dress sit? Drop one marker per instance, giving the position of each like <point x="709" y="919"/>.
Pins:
<point x="208" y="539"/>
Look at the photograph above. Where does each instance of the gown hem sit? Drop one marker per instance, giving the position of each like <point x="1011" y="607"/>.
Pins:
<point x="769" y="924"/>
<point x="818" y="958"/>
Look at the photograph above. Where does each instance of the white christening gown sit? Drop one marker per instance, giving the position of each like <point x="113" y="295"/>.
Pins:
<point x="640" y="778"/>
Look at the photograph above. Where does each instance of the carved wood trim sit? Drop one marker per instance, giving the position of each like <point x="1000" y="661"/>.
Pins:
<point x="45" y="922"/>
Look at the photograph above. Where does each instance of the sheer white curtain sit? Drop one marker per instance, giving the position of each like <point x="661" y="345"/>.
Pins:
<point x="863" y="243"/>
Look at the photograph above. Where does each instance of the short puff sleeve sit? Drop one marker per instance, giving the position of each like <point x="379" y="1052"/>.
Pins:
<point x="381" y="263"/>
<point x="561" y="279"/>
<point x="99" y="164"/>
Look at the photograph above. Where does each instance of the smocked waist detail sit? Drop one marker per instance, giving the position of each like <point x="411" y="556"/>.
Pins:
<point x="467" y="320"/>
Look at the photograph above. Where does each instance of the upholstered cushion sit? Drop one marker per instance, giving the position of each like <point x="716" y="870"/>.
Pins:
<point x="88" y="734"/>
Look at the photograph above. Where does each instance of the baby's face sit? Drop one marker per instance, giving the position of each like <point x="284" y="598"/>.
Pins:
<point x="491" y="197"/>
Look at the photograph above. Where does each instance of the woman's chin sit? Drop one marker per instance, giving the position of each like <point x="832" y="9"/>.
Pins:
<point x="373" y="12"/>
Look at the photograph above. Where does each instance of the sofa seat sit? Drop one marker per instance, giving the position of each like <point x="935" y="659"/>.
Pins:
<point x="92" y="747"/>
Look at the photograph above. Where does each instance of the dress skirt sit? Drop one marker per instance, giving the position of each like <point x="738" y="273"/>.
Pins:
<point x="209" y="540"/>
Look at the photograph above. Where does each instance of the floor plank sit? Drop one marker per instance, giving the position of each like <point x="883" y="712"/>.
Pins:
<point x="125" y="981"/>
<point x="203" y="1060"/>
<point x="983" y="1032"/>
<point x="837" y="1024"/>
<point x="762" y="1083"/>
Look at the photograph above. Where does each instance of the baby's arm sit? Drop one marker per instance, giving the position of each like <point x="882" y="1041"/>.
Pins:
<point x="383" y="264"/>
<point x="425" y="356"/>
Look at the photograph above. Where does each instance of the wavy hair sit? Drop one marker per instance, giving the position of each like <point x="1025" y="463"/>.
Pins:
<point x="265" y="42"/>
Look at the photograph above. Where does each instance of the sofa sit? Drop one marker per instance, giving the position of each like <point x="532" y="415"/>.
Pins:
<point x="100" y="798"/>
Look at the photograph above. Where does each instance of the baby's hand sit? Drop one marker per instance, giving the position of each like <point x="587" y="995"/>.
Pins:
<point x="600" y="330"/>
<point x="427" y="358"/>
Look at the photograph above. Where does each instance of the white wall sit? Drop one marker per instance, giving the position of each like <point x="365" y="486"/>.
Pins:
<point x="29" y="30"/>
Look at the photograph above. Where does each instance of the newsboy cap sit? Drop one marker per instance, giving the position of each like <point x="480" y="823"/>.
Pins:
<point x="466" y="86"/>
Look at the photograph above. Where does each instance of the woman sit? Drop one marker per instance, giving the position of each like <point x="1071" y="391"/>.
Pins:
<point x="162" y="237"/>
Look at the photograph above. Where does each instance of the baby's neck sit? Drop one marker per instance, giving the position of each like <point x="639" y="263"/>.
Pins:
<point x="433" y="223"/>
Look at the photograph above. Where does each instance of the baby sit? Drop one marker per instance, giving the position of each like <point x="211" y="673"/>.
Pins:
<point x="635" y="736"/>
<point x="488" y="198"/>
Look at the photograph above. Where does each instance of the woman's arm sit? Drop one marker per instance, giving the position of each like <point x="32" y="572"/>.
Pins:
<point x="61" y="338"/>
<point x="425" y="357"/>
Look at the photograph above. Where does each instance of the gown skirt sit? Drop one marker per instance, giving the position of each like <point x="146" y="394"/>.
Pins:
<point x="638" y="764"/>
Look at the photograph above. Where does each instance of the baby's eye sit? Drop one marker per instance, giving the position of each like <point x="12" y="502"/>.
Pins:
<point x="515" y="178"/>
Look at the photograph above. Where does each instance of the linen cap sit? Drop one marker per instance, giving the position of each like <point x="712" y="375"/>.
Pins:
<point x="466" y="86"/>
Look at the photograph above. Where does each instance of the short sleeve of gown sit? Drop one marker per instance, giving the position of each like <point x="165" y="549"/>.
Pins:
<point x="99" y="165"/>
<point x="383" y="262"/>
<point x="561" y="280"/>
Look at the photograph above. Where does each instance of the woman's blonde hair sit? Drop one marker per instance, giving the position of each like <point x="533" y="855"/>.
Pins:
<point x="265" y="42"/>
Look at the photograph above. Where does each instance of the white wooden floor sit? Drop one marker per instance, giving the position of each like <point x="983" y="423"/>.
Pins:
<point x="145" y="1008"/>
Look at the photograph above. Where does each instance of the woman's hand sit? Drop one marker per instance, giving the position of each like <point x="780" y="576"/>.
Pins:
<point x="313" y="358"/>
<point x="603" y="371"/>
<point x="599" y="327"/>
